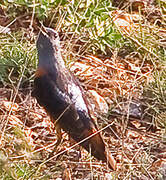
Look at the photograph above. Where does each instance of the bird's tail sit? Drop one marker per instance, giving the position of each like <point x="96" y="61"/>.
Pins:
<point x="93" y="143"/>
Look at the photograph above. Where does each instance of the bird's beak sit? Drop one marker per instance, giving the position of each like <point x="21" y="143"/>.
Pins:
<point x="43" y="30"/>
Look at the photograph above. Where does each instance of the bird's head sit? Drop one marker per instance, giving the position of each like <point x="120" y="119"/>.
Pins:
<point x="48" y="39"/>
<point x="48" y="47"/>
<point x="53" y="35"/>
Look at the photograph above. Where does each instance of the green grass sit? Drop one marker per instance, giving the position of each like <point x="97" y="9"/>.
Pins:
<point x="18" y="58"/>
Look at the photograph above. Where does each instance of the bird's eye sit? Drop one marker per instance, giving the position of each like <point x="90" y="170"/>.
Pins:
<point x="55" y="35"/>
<point x="49" y="34"/>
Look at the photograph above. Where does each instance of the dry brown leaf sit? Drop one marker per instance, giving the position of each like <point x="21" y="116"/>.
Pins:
<point x="100" y="103"/>
<point x="123" y="20"/>
<point x="108" y="76"/>
<point x="95" y="59"/>
<point x="8" y="105"/>
<point x="30" y="134"/>
<point x="132" y="135"/>
<point x="15" y="121"/>
<point x="36" y="115"/>
<point x="159" y="163"/>
<point x="137" y="124"/>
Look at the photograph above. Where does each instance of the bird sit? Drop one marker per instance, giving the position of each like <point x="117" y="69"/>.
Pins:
<point x="59" y="92"/>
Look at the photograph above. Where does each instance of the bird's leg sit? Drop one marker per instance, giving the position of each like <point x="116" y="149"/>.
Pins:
<point x="59" y="139"/>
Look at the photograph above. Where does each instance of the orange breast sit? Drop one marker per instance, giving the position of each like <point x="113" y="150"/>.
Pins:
<point x="40" y="72"/>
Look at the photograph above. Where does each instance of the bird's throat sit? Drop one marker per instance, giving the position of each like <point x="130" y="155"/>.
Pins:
<point x="40" y="72"/>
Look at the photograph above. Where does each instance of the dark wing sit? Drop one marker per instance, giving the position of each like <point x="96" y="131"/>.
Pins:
<point x="83" y="126"/>
<point x="49" y="95"/>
